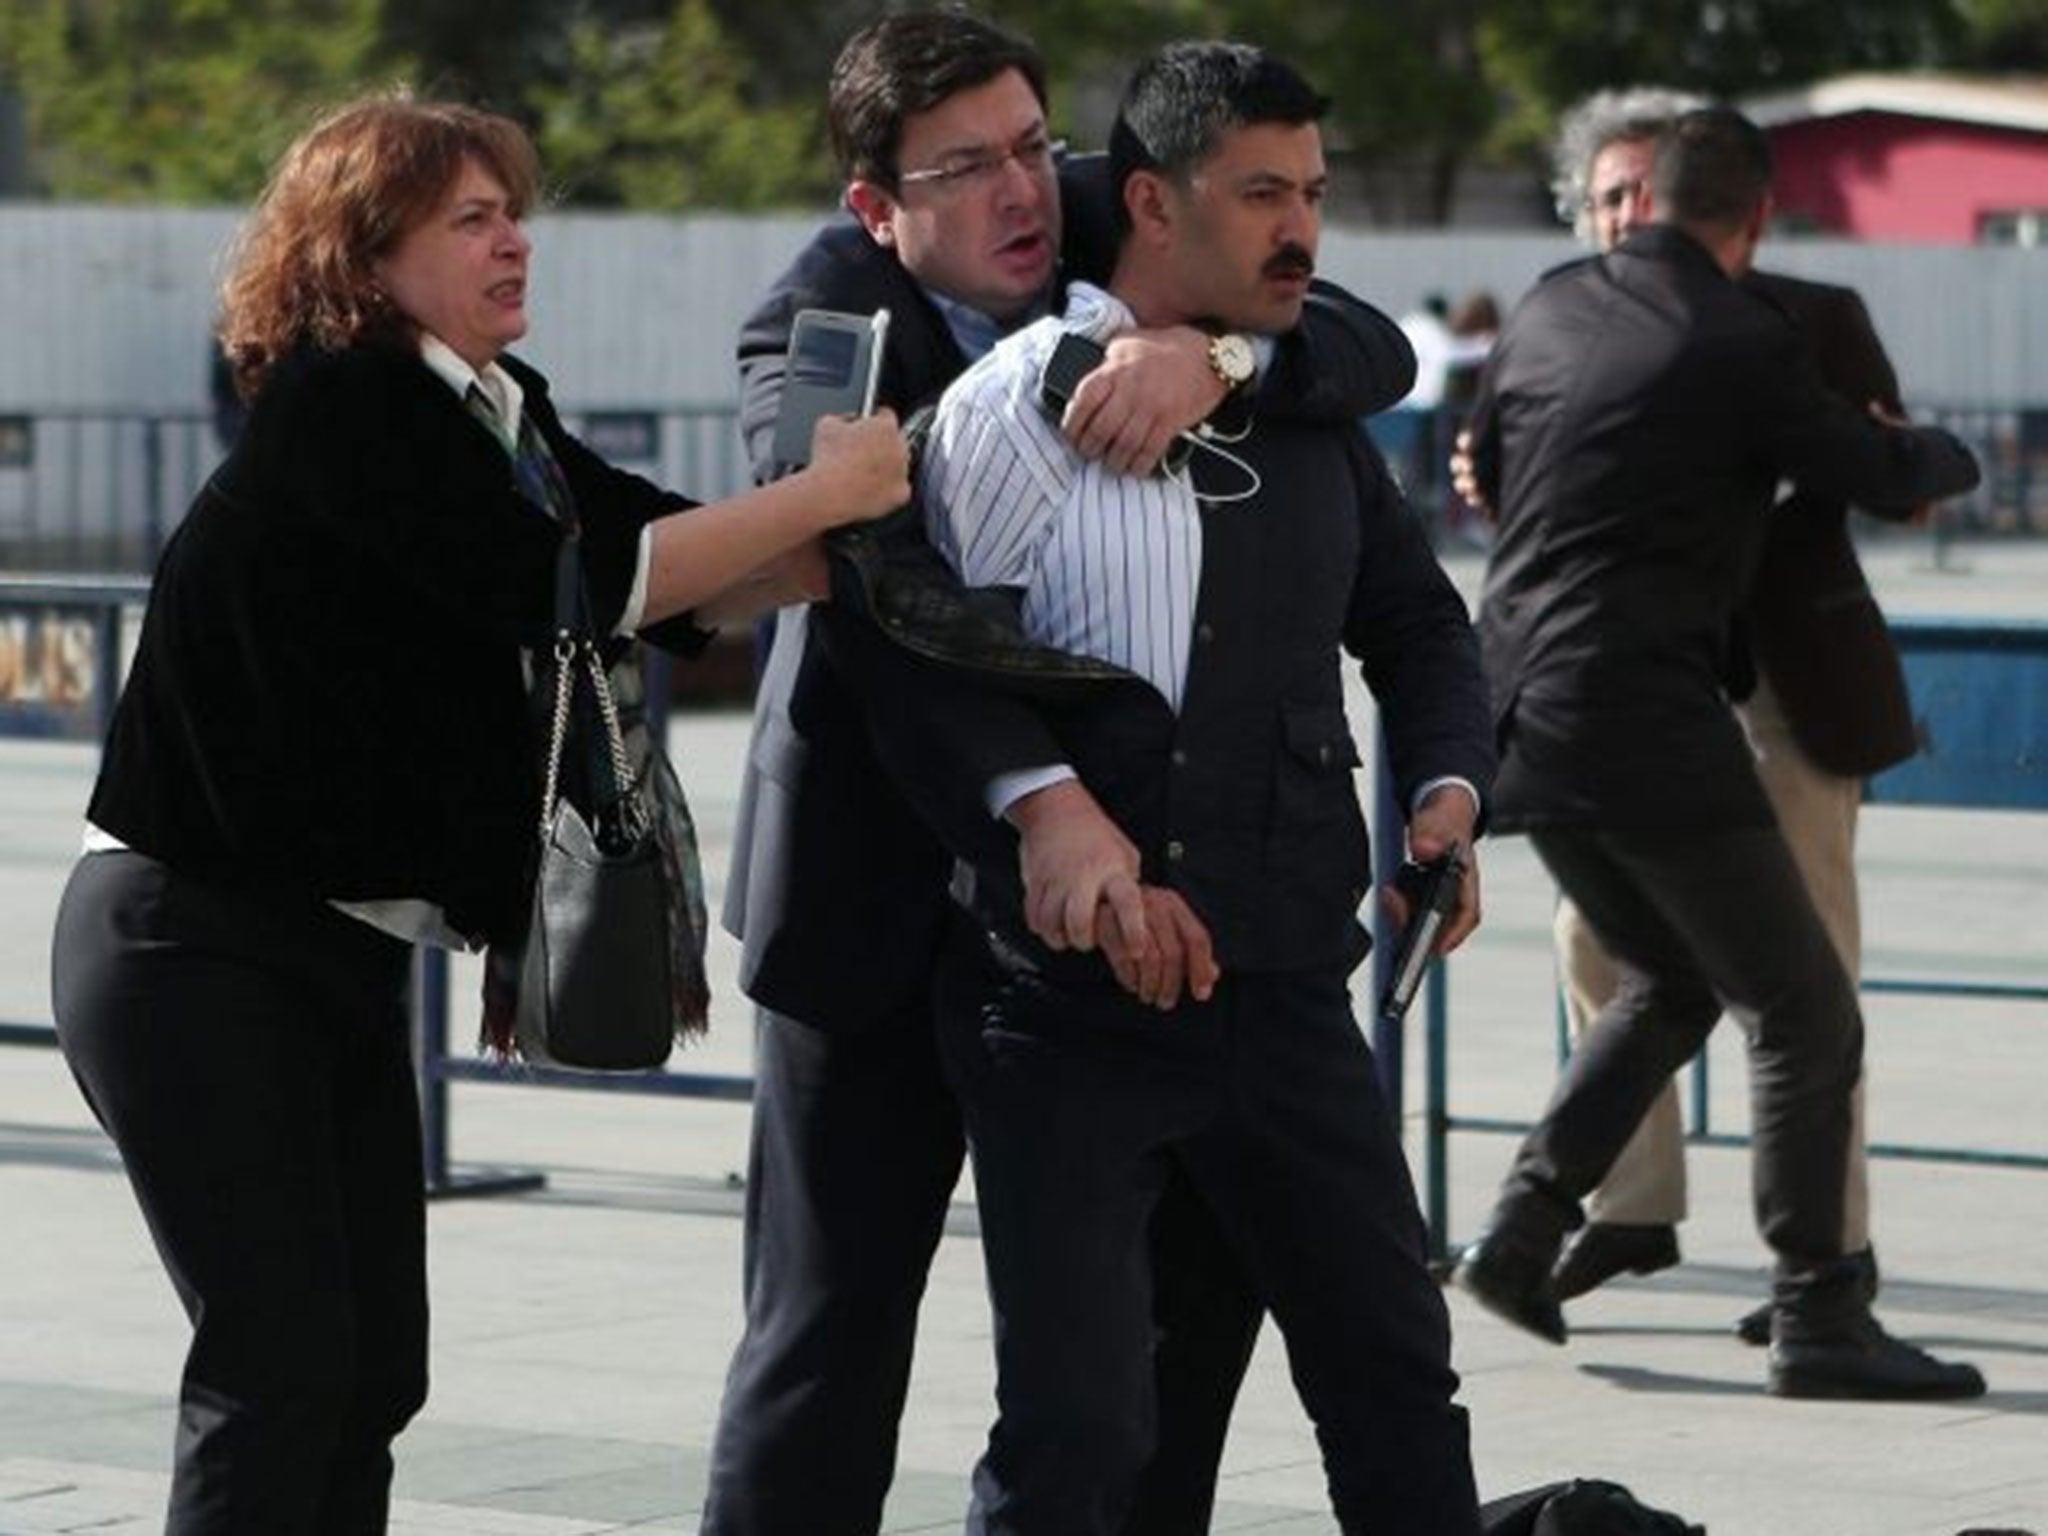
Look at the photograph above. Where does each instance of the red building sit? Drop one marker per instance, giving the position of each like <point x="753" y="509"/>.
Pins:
<point x="1930" y="158"/>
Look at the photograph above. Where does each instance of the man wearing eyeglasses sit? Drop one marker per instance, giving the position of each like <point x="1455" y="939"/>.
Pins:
<point x="839" y="882"/>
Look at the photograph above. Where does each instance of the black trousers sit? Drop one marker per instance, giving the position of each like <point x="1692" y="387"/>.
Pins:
<point x="1081" y="1109"/>
<point x="1702" y="922"/>
<point x="855" y="1153"/>
<point x="251" y="1061"/>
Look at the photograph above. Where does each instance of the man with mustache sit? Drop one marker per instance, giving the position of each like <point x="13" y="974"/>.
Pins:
<point x="1216" y="596"/>
<point x="839" y="882"/>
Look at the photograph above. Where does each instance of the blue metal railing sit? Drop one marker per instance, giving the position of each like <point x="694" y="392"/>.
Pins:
<point x="101" y="490"/>
<point x="49" y="606"/>
<point x="1980" y="691"/>
<point x="1980" y="701"/>
<point x="2009" y="440"/>
<point x="71" y="633"/>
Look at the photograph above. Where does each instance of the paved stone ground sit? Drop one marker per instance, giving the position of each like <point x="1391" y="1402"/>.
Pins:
<point x="581" y="1332"/>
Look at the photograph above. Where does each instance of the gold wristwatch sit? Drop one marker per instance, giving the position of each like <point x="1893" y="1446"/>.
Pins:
<point x="1232" y="360"/>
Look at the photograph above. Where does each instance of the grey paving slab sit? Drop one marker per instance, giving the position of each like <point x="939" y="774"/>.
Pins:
<point x="581" y="1333"/>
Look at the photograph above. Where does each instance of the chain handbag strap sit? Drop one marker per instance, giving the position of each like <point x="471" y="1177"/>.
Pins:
<point x="576" y="652"/>
<point x="572" y="652"/>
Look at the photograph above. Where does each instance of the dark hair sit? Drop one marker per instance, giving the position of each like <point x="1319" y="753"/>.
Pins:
<point x="1476" y="315"/>
<point x="1713" y="167"/>
<point x="908" y="63"/>
<point x="1184" y="98"/>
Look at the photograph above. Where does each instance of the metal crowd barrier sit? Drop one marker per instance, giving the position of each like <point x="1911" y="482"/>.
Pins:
<point x="1980" y="693"/>
<point x="101" y="490"/>
<point x="68" y="644"/>
<point x="437" y="1069"/>
<point x="1980" y="702"/>
<point x="62" y="640"/>
<point x="2010" y="442"/>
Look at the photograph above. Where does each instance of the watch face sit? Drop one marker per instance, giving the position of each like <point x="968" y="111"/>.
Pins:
<point x="1233" y="358"/>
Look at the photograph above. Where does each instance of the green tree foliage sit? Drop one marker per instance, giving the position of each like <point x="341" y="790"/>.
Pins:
<point x="684" y="103"/>
<point x="2005" y="35"/>
<point x="655" y="104"/>
<point x="657" y="117"/>
<point x="1542" y="55"/>
<point x="1554" y="51"/>
<point x="1405" y="78"/>
<point x="487" y="52"/>
<point x="792" y="42"/>
<point x="178" y="100"/>
<point x="1403" y="75"/>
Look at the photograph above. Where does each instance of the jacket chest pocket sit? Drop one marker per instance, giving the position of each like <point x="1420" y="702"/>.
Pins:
<point x="1313" y="779"/>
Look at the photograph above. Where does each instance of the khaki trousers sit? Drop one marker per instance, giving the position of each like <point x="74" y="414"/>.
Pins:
<point x="1816" y="811"/>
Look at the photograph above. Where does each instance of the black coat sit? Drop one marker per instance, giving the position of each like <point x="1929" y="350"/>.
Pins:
<point x="1635" y="421"/>
<point x="1246" y="801"/>
<point x="327" y="698"/>
<point x="1811" y="621"/>
<point x="838" y="883"/>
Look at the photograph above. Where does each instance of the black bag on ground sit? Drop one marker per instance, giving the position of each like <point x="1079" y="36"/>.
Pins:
<point x="1580" y="1507"/>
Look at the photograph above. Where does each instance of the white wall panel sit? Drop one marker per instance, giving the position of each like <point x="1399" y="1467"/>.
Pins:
<point x="108" y="308"/>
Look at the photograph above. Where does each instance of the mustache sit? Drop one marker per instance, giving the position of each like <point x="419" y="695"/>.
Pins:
<point x="1290" y="261"/>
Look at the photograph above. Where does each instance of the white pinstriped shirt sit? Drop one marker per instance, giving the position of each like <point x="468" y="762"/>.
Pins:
<point x="1109" y="565"/>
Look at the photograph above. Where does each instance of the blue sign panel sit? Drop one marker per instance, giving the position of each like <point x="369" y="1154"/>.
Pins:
<point x="1980" y="705"/>
<point x="50" y="671"/>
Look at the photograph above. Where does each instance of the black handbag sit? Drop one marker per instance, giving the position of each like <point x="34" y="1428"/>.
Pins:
<point x="599" y="985"/>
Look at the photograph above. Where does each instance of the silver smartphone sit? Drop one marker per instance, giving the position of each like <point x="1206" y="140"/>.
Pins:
<point x="835" y="362"/>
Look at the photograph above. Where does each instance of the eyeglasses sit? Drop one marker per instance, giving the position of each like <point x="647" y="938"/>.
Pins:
<point x="978" y="169"/>
<point x="1613" y="199"/>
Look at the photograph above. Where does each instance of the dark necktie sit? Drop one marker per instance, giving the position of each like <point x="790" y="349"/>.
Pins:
<point x="534" y="468"/>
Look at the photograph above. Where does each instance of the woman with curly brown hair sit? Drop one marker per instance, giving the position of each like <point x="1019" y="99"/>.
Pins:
<point x="324" y="753"/>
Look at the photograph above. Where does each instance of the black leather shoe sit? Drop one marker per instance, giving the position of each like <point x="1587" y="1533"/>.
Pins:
<point x="1754" y="1326"/>
<point x="1510" y="1277"/>
<point x="1604" y="1249"/>
<point x="1864" y="1362"/>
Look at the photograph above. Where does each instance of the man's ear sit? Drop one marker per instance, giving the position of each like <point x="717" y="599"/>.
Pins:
<point x="1750" y="235"/>
<point x="1148" y="199"/>
<point x="875" y="207"/>
<point x="1760" y="220"/>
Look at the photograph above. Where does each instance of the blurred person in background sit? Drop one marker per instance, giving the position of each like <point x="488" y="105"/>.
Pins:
<point x="1637" y="417"/>
<point x="1473" y="326"/>
<point x="1818" y="687"/>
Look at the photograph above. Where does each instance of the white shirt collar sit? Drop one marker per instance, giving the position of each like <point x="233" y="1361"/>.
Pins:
<point x="498" y="386"/>
<point x="975" y="331"/>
